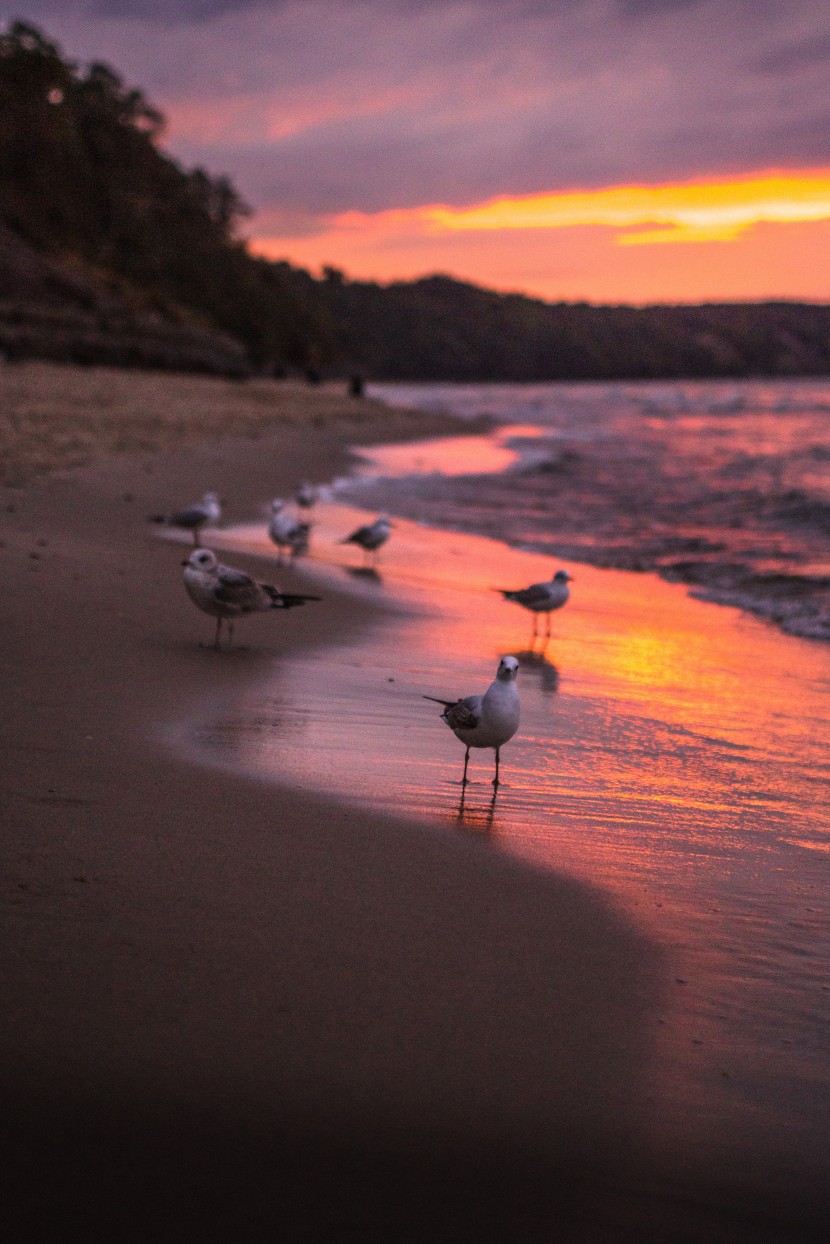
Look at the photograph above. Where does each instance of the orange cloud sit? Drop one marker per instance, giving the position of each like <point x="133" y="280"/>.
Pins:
<point x="696" y="211"/>
<point x="756" y="237"/>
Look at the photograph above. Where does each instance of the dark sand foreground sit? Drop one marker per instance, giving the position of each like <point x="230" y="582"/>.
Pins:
<point x="234" y="1013"/>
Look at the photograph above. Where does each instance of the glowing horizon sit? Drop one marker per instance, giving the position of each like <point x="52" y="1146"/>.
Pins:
<point x="762" y="235"/>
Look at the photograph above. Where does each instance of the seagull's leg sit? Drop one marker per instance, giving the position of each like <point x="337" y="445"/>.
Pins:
<point x="547" y="628"/>
<point x="466" y="761"/>
<point x="195" y="536"/>
<point x="496" y="778"/>
<point x="216" y="643"/>
<point x="230" y="634"/>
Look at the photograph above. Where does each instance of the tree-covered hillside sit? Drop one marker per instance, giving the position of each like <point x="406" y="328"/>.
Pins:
<point x="83" y="178"/>
<point x="111" y="251"/>
<point x="441" y="329"/>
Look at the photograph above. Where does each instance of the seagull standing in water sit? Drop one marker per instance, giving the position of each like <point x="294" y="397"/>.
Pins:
<point x="541" y="597"/>
<point x="204" y="513"/>
<point x="372" y="536"/>
<point x="488" y="720"/>
<point x="287" y="532"/>
<point x="228" y="594"/>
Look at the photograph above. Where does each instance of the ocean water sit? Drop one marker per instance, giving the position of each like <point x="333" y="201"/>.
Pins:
<point x="724" y="486"/>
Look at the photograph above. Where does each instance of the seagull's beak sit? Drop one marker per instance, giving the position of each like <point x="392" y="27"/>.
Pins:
<point x="185" y="562"/>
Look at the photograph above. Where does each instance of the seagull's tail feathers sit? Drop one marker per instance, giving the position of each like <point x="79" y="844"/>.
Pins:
<point x="508" y="593"/>
<point x="286" y="600"/>
<point x="435" y="700"/>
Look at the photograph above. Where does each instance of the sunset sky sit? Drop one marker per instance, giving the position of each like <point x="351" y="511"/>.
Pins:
<point x="605" y="150"/>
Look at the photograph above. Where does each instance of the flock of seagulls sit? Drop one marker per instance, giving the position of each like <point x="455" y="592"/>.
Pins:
<point x="484" y="721"/>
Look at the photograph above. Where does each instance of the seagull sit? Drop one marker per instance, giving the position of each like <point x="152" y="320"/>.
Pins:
<point x="287" y="532"/>
<point x="306" y="495"/>
<point x="541" y="597"/>
<point x="372" y="536"/>
<point x="224" y="592"/>
<point x="204" y="513"/>
<point x="488" y="720"/>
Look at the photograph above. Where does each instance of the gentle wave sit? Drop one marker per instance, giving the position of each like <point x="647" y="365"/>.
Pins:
<point x="725" y="487"/>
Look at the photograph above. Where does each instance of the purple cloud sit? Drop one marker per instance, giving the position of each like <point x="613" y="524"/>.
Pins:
<point x="326" y="106"/>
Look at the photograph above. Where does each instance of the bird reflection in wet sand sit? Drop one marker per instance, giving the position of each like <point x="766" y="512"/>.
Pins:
<point x="535" y="662"/>
<point x="367" y="574"/>
<point x="478" y="818"/>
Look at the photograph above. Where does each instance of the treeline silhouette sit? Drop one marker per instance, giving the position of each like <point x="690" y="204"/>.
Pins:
<point x="441" y="329"/>
<point x="110" y="251"/>
<point x="83" y="178"/>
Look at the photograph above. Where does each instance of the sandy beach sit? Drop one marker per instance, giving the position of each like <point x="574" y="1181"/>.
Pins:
<point x="236" y="1008"/>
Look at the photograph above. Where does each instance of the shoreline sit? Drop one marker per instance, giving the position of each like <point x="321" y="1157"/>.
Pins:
<point x="273" y="1009"/>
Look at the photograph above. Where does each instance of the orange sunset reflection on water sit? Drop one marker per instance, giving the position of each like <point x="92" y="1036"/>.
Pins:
<point x="645" y="706"/>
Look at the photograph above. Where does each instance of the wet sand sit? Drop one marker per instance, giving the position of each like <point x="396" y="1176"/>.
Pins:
<point x="234" y="1008"/>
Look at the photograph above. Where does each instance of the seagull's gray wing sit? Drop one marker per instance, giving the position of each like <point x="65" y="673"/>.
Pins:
<point x="234" y="587"/>
<point x="464" y="714"/>
<point x="191" y="517"/>
<point x="357" y="537"/>
<point x="536" y="594"/>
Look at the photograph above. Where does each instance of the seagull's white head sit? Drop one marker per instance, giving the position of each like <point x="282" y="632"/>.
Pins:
<point x="508" y="669"/>
<point x="277" y="504"/>
<point x="201" y="559"/>
<point x="562" y="576"/>
<point x="211" y="498"/>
